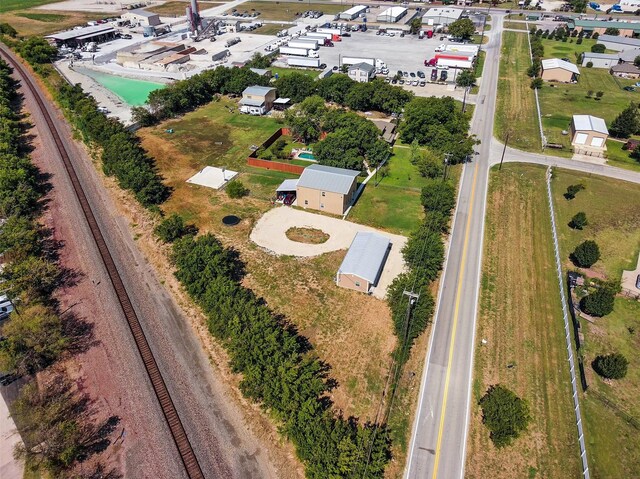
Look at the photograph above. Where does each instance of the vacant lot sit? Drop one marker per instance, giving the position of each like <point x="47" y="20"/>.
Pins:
<point x="614" y="222"/>
<point x="36" y="22"/>
<point x="351" y="331"/>
<point x="520" y="318"/>
<point x="515" y="107"/>
<point x="287" y="11"/>
<point x="177" y="8"/>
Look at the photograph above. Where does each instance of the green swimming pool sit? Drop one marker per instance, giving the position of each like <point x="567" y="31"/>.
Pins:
<point x="132" y="92"/>
<point x="307" y="156"/>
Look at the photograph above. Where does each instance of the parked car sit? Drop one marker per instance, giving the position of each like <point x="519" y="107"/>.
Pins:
<point x="423" y="83"/>
<point x="412" y="75"/>
<point x="443" y="75"/>
<point x="629" y="88"/>
<point x="434" y="74"/>
<point x="420" y="74"/>
<point x="638" y="282"/>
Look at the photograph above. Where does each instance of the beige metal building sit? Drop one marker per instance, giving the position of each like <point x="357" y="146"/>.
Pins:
<point x="364" y="261"/>
<point x="554" y="69"/>
<point x="141" y="18"/>
<point x="589" y="135"/>
<point x="257" y="100"/>
<point x="326" y="188"/>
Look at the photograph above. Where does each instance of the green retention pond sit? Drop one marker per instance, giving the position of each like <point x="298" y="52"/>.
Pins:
<point x="133" y="92"/>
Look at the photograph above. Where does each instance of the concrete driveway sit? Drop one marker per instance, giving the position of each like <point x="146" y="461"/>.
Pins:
<point x="270" y="234"/>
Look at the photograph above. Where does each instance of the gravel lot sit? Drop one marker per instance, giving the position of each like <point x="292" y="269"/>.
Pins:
<point x="270" y="230"/>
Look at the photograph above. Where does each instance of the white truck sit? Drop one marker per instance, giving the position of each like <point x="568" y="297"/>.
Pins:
<point x="308" y="44"/>
<point x="332" y="31"/>
<point x="376" y="62"/>
<point x="299" y="52"/>
<point x="303" y="62"/>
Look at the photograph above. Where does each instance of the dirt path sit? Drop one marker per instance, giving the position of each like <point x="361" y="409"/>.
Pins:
<point x="111" y="371"/>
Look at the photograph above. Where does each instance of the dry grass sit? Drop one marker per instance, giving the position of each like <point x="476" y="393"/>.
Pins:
<point x="520" y="317"/>
<point x="307" y="235"/>
<point x="46" y="22"/>
<point x="177" y="8"/>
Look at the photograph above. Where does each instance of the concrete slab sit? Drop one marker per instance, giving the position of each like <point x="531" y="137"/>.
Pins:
<point x="629" y="279"/>
<point x="212" y="177"/>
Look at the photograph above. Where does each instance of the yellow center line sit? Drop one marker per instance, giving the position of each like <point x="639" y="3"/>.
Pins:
<point x="455" y="326"/>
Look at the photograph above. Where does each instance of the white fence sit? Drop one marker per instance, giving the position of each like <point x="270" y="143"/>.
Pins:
<point x="567" y="330"/>
<point x="543" y="140"/>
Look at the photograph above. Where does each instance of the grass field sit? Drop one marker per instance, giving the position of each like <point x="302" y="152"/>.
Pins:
<point x="287" y="11"/>
<point x="569" y="49"/>
<point x="12" y="5"/>
<point x="351" y="331"/>
<point x="616" y="156"/>
<point x="515" y="25"/>
<point x="271" y="28"/>
<point x="177" y="8"/>
<point x="520" y="317"/>
<point x="515" y="106"/>
<point x="614" y="223"/>
<point x="30" y="22"/>
<point x="281" y="71"/>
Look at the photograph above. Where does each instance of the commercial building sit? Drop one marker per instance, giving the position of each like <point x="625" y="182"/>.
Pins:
<point x="599" y="60"/>
<point x="364" y="261"/>
<point x="141" y="18"/>
<point x="257" y="100"/>
<point x="589" y="135"/>
<point x="441" y="16"/>
<point x="625" y="70"/>
<point x="326" y="188"/>
<point x="554" y="69"/>
<point x="362" y="72"/>
<point x="81" y="36"/>
<point x="627" y="29"/>
<point x="628" y="56"/>
<point x="392" y="15"/>
<point x="618" y="44"/>
<point x="353" y="12"/>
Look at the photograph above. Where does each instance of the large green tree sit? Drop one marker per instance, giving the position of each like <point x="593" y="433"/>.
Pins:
<point x="505" y="415"/>
<point x="462" y="28"/>
<point x="586" y="254"/>
<point x="611" y="366"/>
<point x="599" y="303"/>
<point x="627" y="123"/>
<point x="296" y="86"/>
<point x="36" y="50"/>
<point x="306" y="119"/>
<point x="438" y="195"/>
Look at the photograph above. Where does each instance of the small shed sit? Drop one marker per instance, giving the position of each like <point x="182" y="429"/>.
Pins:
<point x="281" y="104"/>
<point x="554" y="69"/>
<point x="599" y="60"/>
<point x="589" y="134"/>
<point x="364" y="261"/>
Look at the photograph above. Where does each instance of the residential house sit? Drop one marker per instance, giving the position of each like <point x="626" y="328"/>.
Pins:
<point x="326" y="188"/>
<point x="257" y="100"/>
<point x="362" y="72"/>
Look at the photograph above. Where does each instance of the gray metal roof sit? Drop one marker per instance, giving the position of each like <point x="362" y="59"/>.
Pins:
<point x="622" y="40"/>
<point x="288" y="185"/>
<point x="605" y="56"/>
<point x="589" y="123"/>
<point x="557" y="63"/>
<point x="144" y="13"/>
<point x="365" y="67"/>
<point x="250" y="102"/>
<point x="629" y="55"/>
<point x="83" y="32"/>
<point x="257" y="90"/>
<point x="328" y="178"/>
<point x="366" y="256"/>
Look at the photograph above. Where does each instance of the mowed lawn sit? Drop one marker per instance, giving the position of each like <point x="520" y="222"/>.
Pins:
<point x="352" y="332"/>
<point x="614" y="223"/>
<point x="520" y="317"/>
<point x="287" y="11"/>
<point x="616" y="156"/>
<point x="515" y="106"/>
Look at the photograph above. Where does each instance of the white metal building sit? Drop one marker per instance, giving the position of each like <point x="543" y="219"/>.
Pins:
<point x="364" y="261"/>
<point x="599" y="60"/>
<point x="353" y="12"/>
<point x="441" y="16"/>
<point x="617" y="43"/>
<point x="392" y="15"/>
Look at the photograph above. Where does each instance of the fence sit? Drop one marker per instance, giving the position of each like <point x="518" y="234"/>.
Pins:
<point x="535" y="92"/>
<point x="567" y="329"/>
<point x="617" y="410"/>
<point x="275" y="165"/>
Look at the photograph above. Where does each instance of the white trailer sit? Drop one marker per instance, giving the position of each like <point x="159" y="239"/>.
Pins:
<point x="299" y="43"/>
<point x="376" y="62"/>
<point x="303" y="62"/>
<point x="332" y="31"/>
<point x="454" y="63"/>
<point x="462" y="48"/>
<point x="327" y="36"/>
<point x="299" y="52"/>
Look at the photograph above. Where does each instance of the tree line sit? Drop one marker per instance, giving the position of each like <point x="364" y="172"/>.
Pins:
<point x="55" y="420"/>
<point x="279" y="368"/>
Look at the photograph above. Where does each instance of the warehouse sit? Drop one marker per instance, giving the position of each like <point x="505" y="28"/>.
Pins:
<point x="618" y="44"/>
<point x="599" y="60"/>
<point x="353" y="12"/>
<point x="326" y="188"/>
<point x="589" y="135"/>
<point x="554" y="69"/>
<point x="627" y="29"/>
<point x="392" y="15"/>
<point x="80" y="36"/>
<point x="361" y="268"/>
<point x="441" y="16"/>
<point x="141" y="18"/>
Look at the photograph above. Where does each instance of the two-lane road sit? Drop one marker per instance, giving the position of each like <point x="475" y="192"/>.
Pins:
<point x="437" y="447"/>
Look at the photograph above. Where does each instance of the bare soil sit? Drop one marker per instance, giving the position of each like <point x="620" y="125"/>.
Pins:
<point x="307" y="235"/>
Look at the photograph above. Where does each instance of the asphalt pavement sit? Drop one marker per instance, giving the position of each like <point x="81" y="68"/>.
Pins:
<point x="437" y="448"/>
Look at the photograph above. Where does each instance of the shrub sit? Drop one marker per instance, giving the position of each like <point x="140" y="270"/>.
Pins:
<point x="598" y="48"/>
<point x="579" y="41"/>
<point x="586" y="254"/>
<point x="505" y="414"/>
<point x="236" y="189"/>
<point x="572" y="191"/>
<point x="439" y="196"/>
<point x="611" y="366"/>
<point x="536" y="83"/>
<point x="578" y="221"/>
<point x="599" y="303"/>
<point x="173" y="228"/>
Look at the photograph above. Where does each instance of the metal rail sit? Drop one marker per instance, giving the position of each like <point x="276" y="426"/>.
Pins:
<point x="160" y="389"/>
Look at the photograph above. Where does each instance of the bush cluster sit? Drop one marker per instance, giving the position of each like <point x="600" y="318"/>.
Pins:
<point x="279" y="369"/>
<point x="505" y="414"/>
<point x="586" y="254"/>
<point x="611" y="366"/>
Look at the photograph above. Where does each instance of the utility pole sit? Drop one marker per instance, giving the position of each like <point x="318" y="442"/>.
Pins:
<point x="464" y="101"/>
<point x="506" y="140"/>
<point x="446" y="164"/>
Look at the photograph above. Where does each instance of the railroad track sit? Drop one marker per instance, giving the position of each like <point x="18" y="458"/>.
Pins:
<point x="178" y="432"/>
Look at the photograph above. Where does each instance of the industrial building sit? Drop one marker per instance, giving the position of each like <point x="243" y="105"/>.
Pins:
<point x="353" y="12"/>
<point x="326" y="188"/>
<point x="599" y="60"/>
<point x="81" y="36"/>
<point x="361" y="268"/>
<point x="589" y="135"/>
<point x="160" y="56"/>
<point x="141" y="18"/>
<point x="618" y="44"/>
<point x="627" y="29"/>
<point x="441" y="16"/>
<point x="392" y="15"/>
<point x="362" y="72"/>
<point x="257" y="100"/>
<point x="554" y="69"/>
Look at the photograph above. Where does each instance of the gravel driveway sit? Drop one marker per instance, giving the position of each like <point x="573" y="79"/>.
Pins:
<point x="270" y="230"/>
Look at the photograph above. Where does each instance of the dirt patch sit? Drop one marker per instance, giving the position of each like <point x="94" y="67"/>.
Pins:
<point x="307" y="235"/>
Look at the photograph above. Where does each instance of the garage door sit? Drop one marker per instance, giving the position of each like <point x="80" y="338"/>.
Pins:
<point x="597" y="141"/>
<point x="581" y="138"/>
